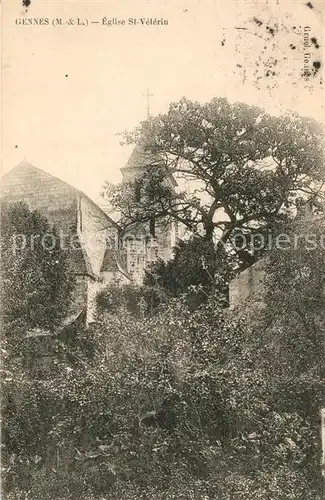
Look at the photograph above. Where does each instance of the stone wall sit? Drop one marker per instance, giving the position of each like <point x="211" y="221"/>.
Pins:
<point x="247" y="289"/>
<point x="136" y="257"/>
<point x="143" y="250"/>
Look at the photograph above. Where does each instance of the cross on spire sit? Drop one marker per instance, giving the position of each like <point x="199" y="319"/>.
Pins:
<point x="148" y="95"/>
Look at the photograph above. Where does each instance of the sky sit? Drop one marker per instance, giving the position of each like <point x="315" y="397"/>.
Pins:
<point x="69" y="91"/>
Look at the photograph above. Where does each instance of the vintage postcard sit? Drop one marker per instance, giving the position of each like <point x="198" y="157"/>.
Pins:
<point x="162" y="267"/>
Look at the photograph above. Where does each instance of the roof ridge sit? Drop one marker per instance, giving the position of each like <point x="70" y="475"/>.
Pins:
<point x="26" y="164"/>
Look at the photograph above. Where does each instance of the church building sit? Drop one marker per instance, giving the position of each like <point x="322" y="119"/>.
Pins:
<point x="102" y="255"/>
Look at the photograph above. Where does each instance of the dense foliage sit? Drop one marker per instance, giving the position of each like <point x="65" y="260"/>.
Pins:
<point x="36" y="282"/>
<point x="177" y="405"/>
<point x="36" y="291"/>
<point x="195" y="272"/>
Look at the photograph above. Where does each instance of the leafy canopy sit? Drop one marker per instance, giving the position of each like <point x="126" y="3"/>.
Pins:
<point x="238" y="168"/>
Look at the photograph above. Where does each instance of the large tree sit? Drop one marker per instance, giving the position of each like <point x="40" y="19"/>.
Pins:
<point x="238" y="169"/>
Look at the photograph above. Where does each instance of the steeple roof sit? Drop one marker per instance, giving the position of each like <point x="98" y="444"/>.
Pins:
<point x="141" y="159"/>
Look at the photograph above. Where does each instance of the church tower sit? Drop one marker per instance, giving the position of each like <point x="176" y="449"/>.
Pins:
<point x="146" y="242"/>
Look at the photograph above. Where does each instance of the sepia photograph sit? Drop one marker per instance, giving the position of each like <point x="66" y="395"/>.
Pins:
<point x="162" y="250"/>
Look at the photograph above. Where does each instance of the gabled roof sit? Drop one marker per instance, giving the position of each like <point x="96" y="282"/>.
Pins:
<point x="26" y="166"/>
<point x="80" y="262"/>
<point x="108" y="218"/>
<point x="140" y="158"/>
<point x="113" y="261"/>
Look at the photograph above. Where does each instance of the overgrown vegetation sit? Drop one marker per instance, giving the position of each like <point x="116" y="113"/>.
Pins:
<point x="35" y="276"/>
<point x="179" y="404"/>
<point x="169" y="395"/>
